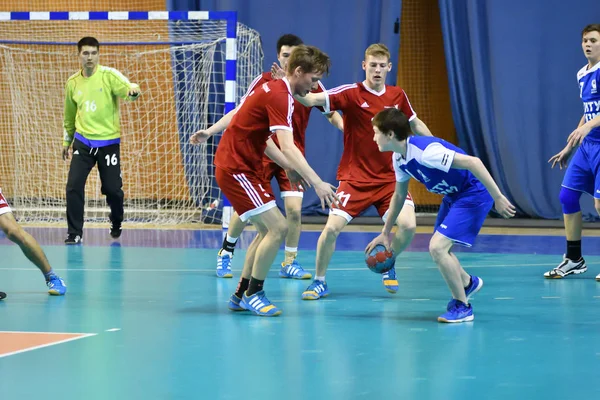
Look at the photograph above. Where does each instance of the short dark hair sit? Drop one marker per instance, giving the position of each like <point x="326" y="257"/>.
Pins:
<point x="591" y="28"/>
<point x="288" y="40"/>
<point x="88" y="41"/>
<point x="309" y="59"/>
<point x="392" y="120"/>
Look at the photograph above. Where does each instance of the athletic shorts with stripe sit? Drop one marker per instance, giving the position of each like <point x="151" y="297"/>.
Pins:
<point x="273" y="170"/>
<point x="357" y="197"/>
<point x="4" y="207"/>
<point x="248" y="194"/>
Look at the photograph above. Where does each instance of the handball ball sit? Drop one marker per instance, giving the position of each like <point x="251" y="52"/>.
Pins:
<point x="380" y="260"/>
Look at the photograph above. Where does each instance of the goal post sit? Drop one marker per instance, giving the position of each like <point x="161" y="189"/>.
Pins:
<point x="192" y="67"/>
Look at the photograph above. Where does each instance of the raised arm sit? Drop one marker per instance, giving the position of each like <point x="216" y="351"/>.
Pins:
<point x="314" y="100"/>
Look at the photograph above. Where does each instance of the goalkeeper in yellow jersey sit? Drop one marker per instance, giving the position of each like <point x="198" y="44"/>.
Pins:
<point x="92" y="125"/>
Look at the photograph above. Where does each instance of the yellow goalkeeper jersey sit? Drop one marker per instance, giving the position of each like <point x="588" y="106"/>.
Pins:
<point x="92" y="106"/>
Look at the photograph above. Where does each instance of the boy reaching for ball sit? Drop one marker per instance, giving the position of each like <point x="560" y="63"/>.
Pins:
<point x="469" y="194"/>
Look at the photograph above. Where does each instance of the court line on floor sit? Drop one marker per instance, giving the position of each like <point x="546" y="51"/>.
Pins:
<point x="82" y="336"/>
<point x="212" y="269"/>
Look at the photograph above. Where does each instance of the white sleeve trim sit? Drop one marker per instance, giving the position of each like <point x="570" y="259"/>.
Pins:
<point x="280" y="127"/>
<point x="438" y="156"/>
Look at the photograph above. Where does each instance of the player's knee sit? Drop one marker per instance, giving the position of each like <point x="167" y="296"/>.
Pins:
<point x="436" y="249"/>
<point x="294" y="217"/>
<point x="569" y="200"/>
<point x="330" y="233"/>
<point x="406" y="225"/>
<point x="279" y="229"/>
<point x="597" y="205"/>
<point x="14" y="233"/>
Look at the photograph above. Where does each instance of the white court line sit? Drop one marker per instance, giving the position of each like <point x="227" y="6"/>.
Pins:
<point x="550" y="297"/>
<point x="420" y="299"/>
<point x="113" y="330"/>
<point x="504" y="298"/>
<point x="83" y="335"/>
<point x="361" y="269"/>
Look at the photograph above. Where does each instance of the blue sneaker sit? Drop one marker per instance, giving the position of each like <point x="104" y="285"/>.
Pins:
<point x="294" y="271"/>
<point x="56" y="286"/>
<point x="259" y="305"/>
<point x="458" y="312"/>
<point x="224" y="265"/>
<point x="315" y="291"/>
<point x="390" y="283"/>
<point x="234" y="303"/>
<point x="470" y="290"/>
<point x="474" y="286"/>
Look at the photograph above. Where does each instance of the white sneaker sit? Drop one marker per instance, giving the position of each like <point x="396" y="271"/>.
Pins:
<point x="567" y="267"/>
<point x="598" y="277"/>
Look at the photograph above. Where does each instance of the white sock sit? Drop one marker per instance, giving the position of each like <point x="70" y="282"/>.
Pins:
<point x="320" y="278"/>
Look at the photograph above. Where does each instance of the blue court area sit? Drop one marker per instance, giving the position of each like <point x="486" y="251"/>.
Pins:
<point x="161" y="328"/>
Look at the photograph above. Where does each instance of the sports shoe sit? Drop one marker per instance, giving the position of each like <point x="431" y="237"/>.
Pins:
<point x="56" y="286"/>
<point x="73" y="239"/>
<point x="567" y="267"/>
<point x="234" y="303"/>
<point x="472" y="288"/>
<point x="390" y="283"/>
<point x="259" y="305"/>
<point x="457" y="312"/>
<point x="315" y="291"/>
<point x="224" y="264"/>
<point x="598" y="277"/>
<point x="115" y="230"/>
<point x="2" y="295"/>
<point x="294" y="271"/>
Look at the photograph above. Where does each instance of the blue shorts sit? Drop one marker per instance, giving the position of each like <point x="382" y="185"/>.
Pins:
<point x="461" y="219"/>
<point x="583" y="172"/>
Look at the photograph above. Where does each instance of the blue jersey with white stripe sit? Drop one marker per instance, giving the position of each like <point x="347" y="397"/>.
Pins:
<point x="428" y="160"/>
<point x="589" y="91"/>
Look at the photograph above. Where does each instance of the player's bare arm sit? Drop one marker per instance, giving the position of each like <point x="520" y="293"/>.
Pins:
<point x="396" y="204"/>
<point x="325" y="191"/>
<point x="562" y="157"/>
<point x="577" y="136"/>
<point x="419" y="128"/>
<point x="474" y="164"/>
<point x="203" y="135"/>
<point x="313" y="99"/>
<point x="336" y="120"/>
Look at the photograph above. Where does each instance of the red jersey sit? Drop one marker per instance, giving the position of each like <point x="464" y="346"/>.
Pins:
<point x="264" y="110"/>
<point x="301" y="112"/>
<point x="361" y="160"/>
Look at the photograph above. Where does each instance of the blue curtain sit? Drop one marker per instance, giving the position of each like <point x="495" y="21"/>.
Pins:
<point x="342" y="28"/>
<point x="512" y="68"/>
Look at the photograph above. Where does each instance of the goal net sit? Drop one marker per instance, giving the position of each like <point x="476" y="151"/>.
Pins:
<point x="192" y="67"/>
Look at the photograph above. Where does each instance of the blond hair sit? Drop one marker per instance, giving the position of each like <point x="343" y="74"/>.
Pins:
<point x="377" y="50"/>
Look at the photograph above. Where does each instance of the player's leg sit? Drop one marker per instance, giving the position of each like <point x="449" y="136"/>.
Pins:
<point x="225" y="254"/>
<point x="460" y="223"/>
<point x="109" y="167"/>
<point x="579" y="178"/>
<point x="325" y="248"/>
<point x="252" y="198"/>
<point x="290" y="267"/>
<point x="82" y="163"/>
<point x="406" y="223"/>
<point x="31" y="249"/>
<point x="272" y="228"/>
<point x="244" y="282"/>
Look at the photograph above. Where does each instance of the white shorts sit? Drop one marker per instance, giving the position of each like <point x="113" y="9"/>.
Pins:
<point x="4" y="207"/>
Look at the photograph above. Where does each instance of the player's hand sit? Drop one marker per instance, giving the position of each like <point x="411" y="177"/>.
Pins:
<point x="65" y="153"/>
<point x="134" y="93"/>
<point x="381" y="239"/>
<point x="577" y="136"/>
<point x="504" y="208"/>
<point x="562" y="158"/>
<point x="277" y="72"/>
<point x="200" y="136"/>
<point x="326" y="193"/>
<point x="296" y="180"/>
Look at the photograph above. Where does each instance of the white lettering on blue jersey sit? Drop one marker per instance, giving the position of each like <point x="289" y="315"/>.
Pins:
<point x="589" y="80"/>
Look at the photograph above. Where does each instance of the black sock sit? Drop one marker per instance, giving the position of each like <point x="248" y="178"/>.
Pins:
<point x="242" y="286"/>
<point x="228" y="246"/>
<point x="255" y="286"/>
<point x="574" y="250"/>
<point x="470" y="282"/>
